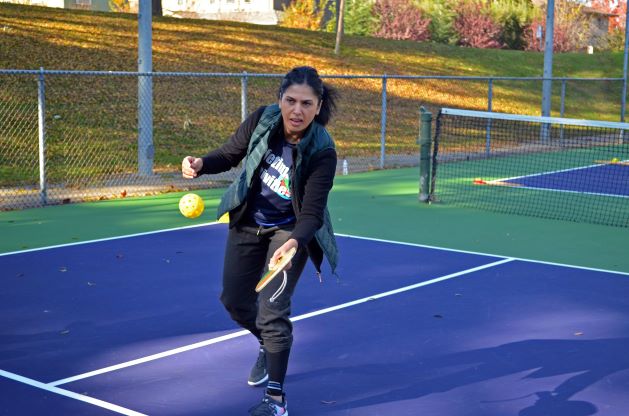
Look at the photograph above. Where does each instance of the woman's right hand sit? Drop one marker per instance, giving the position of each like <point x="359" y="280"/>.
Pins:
<point x="190" y="166"/>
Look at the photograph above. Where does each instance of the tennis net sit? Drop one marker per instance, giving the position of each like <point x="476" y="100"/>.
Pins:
<point x="568" y="169"/>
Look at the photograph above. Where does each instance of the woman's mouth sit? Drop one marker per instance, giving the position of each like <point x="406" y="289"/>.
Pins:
<point x="295" y="121"/>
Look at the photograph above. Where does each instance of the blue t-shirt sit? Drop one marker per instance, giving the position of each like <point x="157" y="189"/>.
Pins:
<point x="272" y="205"/>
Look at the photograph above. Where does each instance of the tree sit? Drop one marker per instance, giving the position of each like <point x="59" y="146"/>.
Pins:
<point x="157" y="7"/>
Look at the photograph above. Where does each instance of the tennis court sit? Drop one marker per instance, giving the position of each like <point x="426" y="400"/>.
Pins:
<point x="601" y="179"/>
<point x="556" y="168"/>
<point x="131" y="323"/>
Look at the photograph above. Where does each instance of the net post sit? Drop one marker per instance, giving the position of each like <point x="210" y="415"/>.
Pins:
<point x="425" y="142"/>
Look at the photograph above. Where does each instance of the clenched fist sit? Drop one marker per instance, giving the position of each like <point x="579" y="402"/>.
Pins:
<point x="190" y="166"/>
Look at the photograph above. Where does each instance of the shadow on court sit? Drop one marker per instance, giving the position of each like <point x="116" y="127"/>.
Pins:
<point x="583" y="362"/>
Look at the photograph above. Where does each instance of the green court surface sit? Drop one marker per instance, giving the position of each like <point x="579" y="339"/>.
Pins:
<point x="379" y="204"/>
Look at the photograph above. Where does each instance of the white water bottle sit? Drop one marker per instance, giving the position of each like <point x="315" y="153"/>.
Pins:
<point x="345" y="167"/>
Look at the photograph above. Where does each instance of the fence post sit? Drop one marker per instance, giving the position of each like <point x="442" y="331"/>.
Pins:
<point x="490" y="96"/>
<point x="562" y="106"/>
<point x="243" y="96"/>
<point x="41" y="113"/>
<point x="623" y="98"/>
<point x="425" y="142"/>
<point x="146" y="150"/>
<point x="145" y="125"/>
<point x="383" y="120"/>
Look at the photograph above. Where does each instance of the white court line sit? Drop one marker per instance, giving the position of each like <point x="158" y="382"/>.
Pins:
<point x="541" y="188"/>
<point x="79" y="243"/>
<point x="478" y="253"/>
<point x="337" y="234"/>
<point x="150" y="358"/>
<point x="297" y="318"/>
<point x="550" y="172"/>
<point x="556" y="189"/>
<point x="70" y="394"/>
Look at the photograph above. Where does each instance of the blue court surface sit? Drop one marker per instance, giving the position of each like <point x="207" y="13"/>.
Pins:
<point x="133" y="325"/>
<point x="600" y="179"/>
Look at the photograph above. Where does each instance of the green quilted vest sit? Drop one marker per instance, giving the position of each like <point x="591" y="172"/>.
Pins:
<point x="315" y="140"/>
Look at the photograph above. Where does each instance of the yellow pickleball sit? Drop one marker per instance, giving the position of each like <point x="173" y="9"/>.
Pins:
<point x="191" y="205"/>
<point x="615" y="160"/>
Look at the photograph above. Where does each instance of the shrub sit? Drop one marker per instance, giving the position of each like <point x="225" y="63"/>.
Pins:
<point x="441" y="14"/>
<point x="513" y="16"/>
<point x="616" y="40"/>
<point x="359" y="18"/>
<point x="512" y="35"/>
<point x="305" y="14"/>
<point x="120" y="6"/>
<point x="399" y="19"/>
<point x="475" y="26"/>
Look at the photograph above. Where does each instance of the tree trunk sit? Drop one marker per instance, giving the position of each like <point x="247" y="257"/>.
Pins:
<point x="339" y="25"/>
<point x="157" y="7"/>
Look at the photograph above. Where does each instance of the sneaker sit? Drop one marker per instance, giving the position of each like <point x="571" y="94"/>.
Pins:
<point x="258" y="373"/>
<point x="270" y="407"/>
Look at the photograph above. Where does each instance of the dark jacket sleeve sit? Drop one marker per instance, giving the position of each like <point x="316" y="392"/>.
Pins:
<point x="319" y="179"/>
<point x="234" y="150"/>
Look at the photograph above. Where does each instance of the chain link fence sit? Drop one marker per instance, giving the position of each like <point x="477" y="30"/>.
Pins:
<point x="68" y="136"/>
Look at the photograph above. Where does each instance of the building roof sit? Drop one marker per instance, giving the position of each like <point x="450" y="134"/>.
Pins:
<point x="590" y="10"/>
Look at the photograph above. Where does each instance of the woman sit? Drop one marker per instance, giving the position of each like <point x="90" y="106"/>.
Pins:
<point x="279" y="202"/>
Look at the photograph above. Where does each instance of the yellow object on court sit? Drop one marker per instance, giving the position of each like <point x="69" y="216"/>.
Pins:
<point x="191" y="205"/>
<point x="224" y="219"/>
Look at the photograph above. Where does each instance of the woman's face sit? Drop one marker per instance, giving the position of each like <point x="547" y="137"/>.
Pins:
<point x="299" y="105"/>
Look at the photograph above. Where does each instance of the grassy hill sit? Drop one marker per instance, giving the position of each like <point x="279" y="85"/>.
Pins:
<point x="33" y="37"/>
<point x="194" y="114"/>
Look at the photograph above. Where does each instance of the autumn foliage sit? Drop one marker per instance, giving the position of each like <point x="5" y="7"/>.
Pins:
<point x="570" y="31"/>
<point x="400" y="19"/>
<point x="475" y="25"/>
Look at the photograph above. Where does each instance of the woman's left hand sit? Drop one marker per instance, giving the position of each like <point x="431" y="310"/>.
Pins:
<point x="291" y="243"/>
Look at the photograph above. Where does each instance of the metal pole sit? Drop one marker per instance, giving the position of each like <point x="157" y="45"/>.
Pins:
<point x="145" y="89"/>
<point x="562" y="109"/>
<point x="547" y="83"/>
<point x="624" y="72"/>
<point x="425" y="142"/>
<point x="243" y="96"/>
<point x="383" y="120"/>
<point x="41" y="113"/>
<point x="490" y="94"/>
